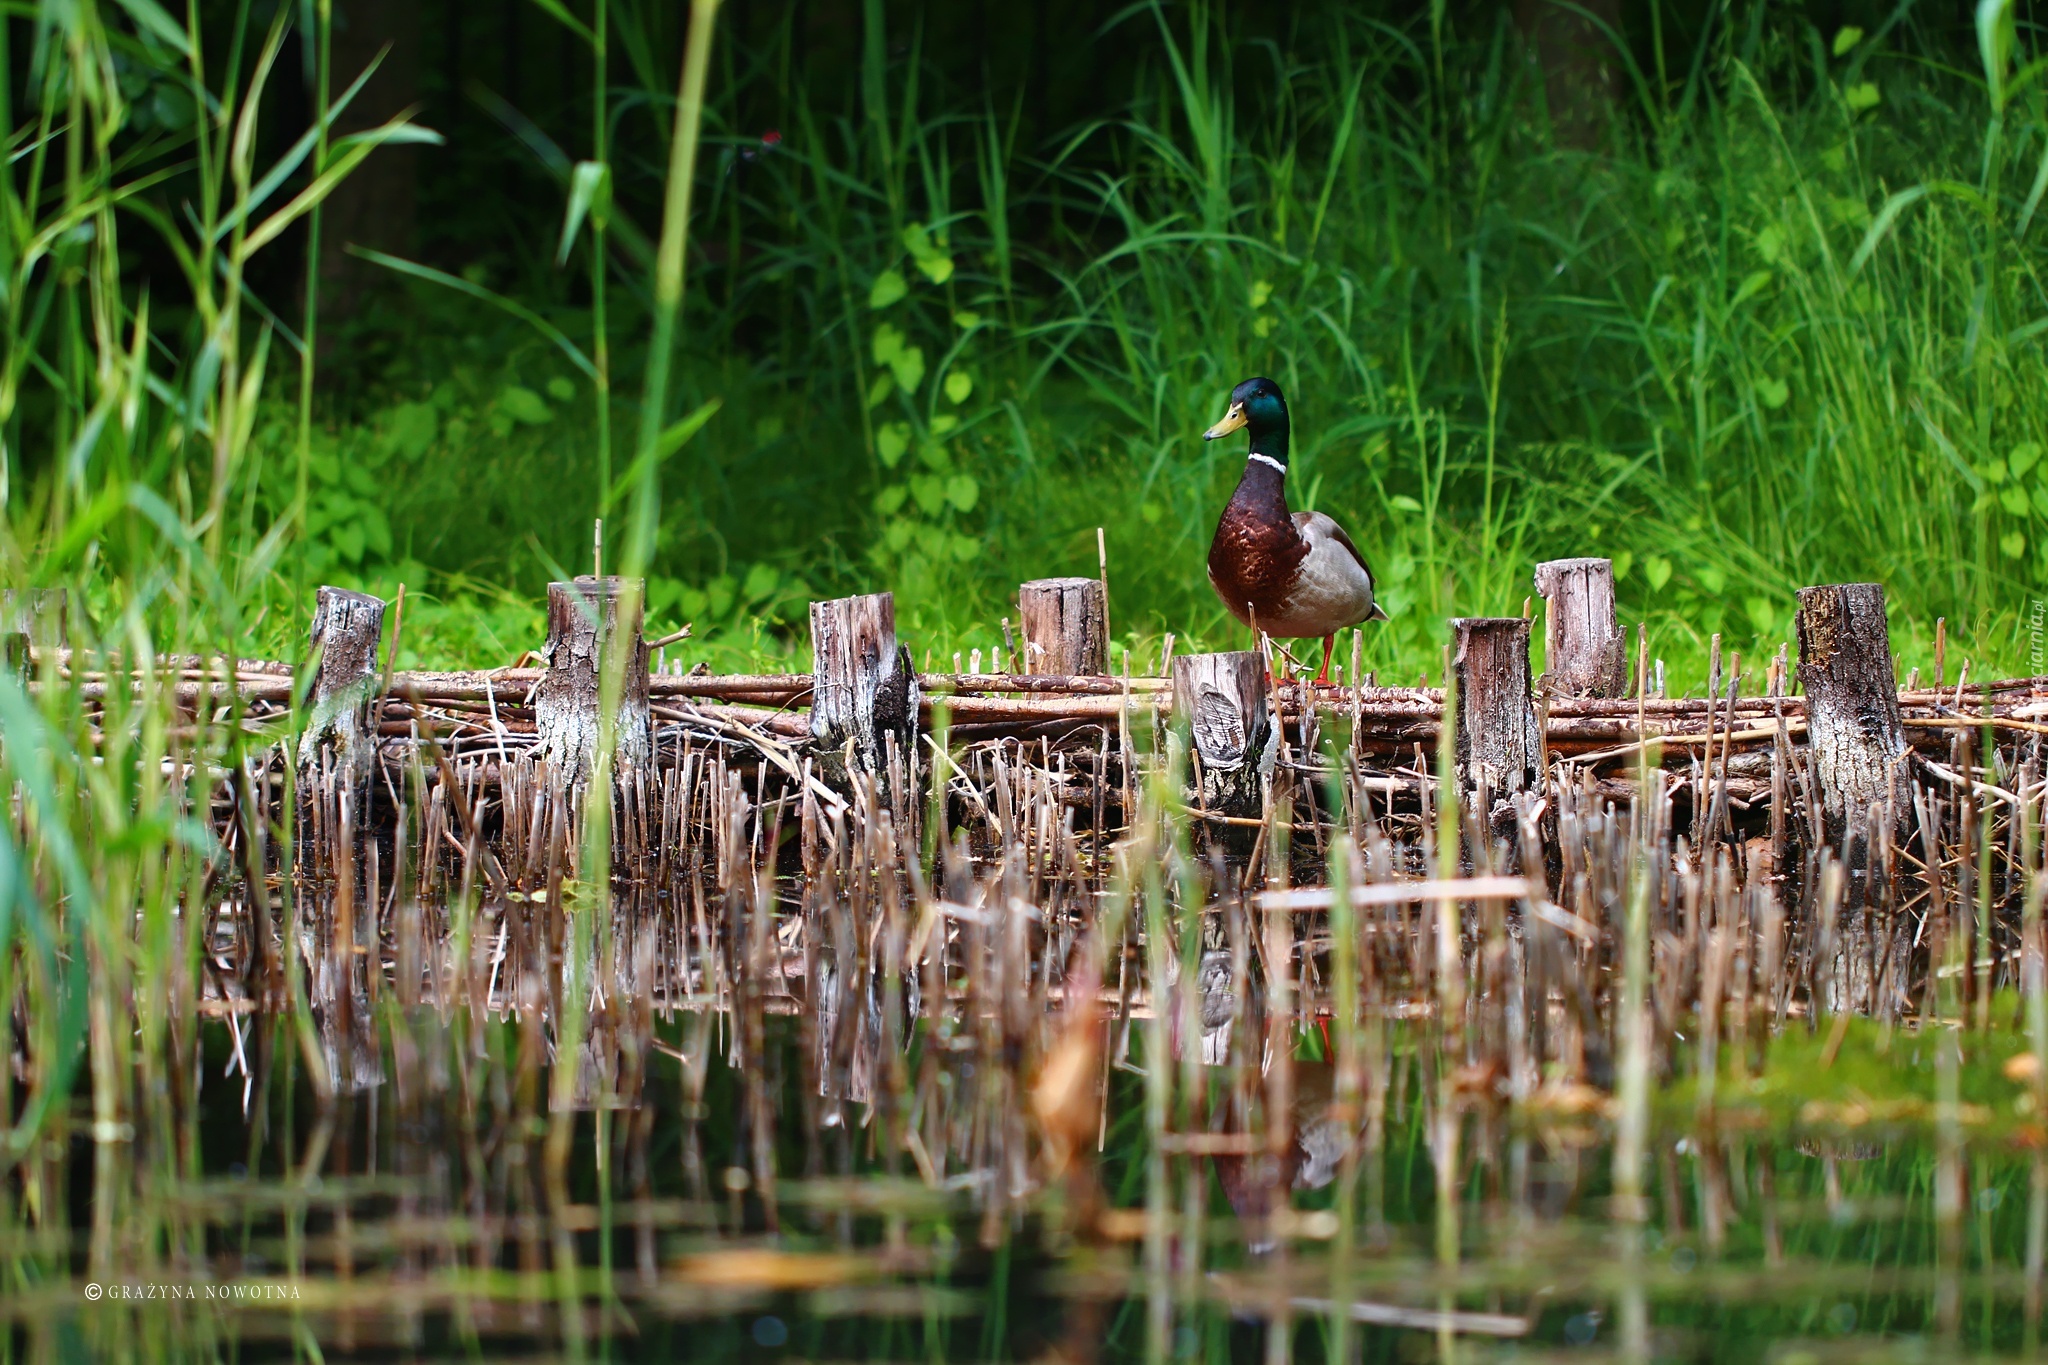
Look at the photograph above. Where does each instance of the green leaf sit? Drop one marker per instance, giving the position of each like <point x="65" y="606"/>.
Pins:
<point x="887" y="289"/>
<point x="2012" y="544"/>
<point x="1772" y="393"/>
<point x="1657" y="570"/>
<point x="2041" y="499"/>
<point x="524" y="405"/>
<point x="964" y="549"/>
<point x="674" y="438"/>
<point x="590" y="194"/>
<point x="567" y="20"/>
<point x="1770" y="244"/>
<point x="934" y="455"/>
<point x="943" y="423"/>
<point x="931" y="257"/>
<point x="962" y="490"/>
<point x="561" y="390"/>
<point x="349" y="541"/>
<point x="884" y="385"/>
<point x="1886" y="216"/>
<point x="152" y="18"/>
<point x="929" y="492"/>
<point x="477" y="291"/>
<point x="412" y="428"/>
<point x="966" y="320"/>
<point x="2014" y="499"/>
<point x="1995" y="41"/>
<point x="377" y="530"/>
<point x="1753" y="284"/>
<point x="887" y="344"/>
<point x="891" y="440"/>
<point x="959" y="384"/>
<point x="1862" y="95"/>
<point x="890" y="499"/>
<point x="760" y="583"/>
<point x="1847" y="37"/>
<point x="1261" y="291"/>
<point x="1763" y="614"/>
<point x="1401" y="502"/>
<point x="908" y="367"/>
<point x="1624" y="560"/>
<point x="1264" y="325"/>
<point x="1712" y="577"/>
<point x="2024" y="456"/>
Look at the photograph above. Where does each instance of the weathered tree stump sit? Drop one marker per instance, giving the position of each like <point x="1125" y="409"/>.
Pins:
<point x="1585" y="654"/>
<point x="1221" y="701"/>
<point x="864" y="686"/>
<point x="1499" y="744"/>
<point x="1852" y="702"/>
<point x="347" y="627"/>
<point x="583" y="621"/>
<point x="1065" y="627"/>
<point x="31" y="618"/>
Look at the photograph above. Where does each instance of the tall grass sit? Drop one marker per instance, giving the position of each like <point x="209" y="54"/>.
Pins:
<point x="1775" y="332"/>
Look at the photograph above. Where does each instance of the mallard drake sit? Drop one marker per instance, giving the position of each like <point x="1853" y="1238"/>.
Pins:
<point x="1288" y="574"/>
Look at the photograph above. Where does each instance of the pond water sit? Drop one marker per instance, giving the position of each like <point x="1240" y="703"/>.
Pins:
<point x="451" y="1212"/>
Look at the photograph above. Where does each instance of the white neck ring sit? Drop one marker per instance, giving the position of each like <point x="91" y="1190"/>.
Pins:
<point x="1263" y="458"/>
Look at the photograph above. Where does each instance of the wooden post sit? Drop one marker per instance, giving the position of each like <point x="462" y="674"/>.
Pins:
<point x="31" y="618"/>
<point x="347" y="627"/>
<point x="1221" y="700"/>
<point x="583" y="619"/>
<point x="864" y="685"/>
<point x="1585" y="653"/>
<point x="1852" y="700"/>
<point x="1499" y="744"/>
<point x="1065" y="627"/>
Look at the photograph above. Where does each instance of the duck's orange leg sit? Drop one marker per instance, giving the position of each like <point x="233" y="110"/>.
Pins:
<point x="1323" y="677"/>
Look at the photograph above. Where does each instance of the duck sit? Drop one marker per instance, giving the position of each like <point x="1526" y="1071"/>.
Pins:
<point x="1289" y="575"/>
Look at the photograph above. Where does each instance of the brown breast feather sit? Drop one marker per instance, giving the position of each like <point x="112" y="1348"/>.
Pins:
<point x="1253" y="560"/>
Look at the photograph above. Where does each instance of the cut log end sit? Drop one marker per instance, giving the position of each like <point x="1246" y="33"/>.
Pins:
<point x="1065" y="627"/>
<point x="1852" y="701"/>
<point x="1221" y="702"/>
<point x="864" y="687"/>
<point x="1585" y="653"/>
<point x="1499" y="744"/>
<point x="588" y="619"/>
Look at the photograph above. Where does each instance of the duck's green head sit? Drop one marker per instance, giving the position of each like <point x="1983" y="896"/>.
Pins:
<point x="1257" y="404"/>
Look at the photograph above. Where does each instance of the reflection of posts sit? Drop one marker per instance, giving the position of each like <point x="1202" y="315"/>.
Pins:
<point x="583" y="620"/>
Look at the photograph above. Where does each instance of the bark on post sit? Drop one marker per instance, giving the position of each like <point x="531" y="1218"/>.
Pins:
<point x="1065" y="627"/>
<point x="1499" y="744"/>
<point x="584" y="621"/>
<point x="1585" y="653"/>
<point x="1852" y="700"/>
<point x="347" y="627"/>
<point x="31" y="618"/>
<point x="864" y="686"/>
<point x="1221" y="701"/>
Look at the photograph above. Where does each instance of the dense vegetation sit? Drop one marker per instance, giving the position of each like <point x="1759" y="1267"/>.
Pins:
<point x="1774" y="317"/>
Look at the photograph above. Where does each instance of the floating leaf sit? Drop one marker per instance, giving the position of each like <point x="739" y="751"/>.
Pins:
<point x="887" y="289"/>
<point x="1847" y="37"/>
<point x="524" y="405"/>
<point x="962" y="490"/>
<point x="1657" y="570"/>
<point x="891" y="441"/>
<point x="959" y="384"/>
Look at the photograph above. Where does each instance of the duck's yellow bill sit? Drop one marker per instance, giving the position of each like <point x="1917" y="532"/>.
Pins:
<point x="1232" y="420"/>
